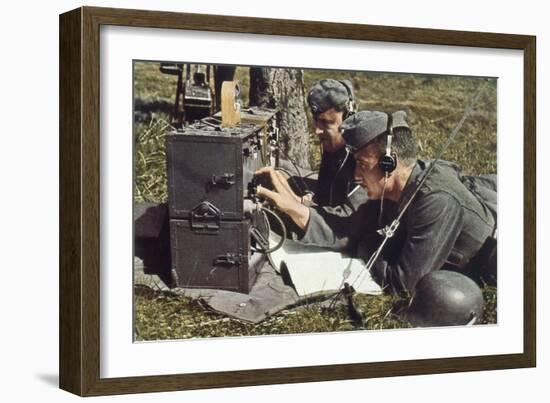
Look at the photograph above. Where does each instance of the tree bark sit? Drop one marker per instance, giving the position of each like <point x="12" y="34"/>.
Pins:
<point x="283" y="89"/>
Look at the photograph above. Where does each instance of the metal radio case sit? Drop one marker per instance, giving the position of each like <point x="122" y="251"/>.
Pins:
<point x="207" y="163"/>
<point x="209" y="168"/>
<point x="216" y="255"/>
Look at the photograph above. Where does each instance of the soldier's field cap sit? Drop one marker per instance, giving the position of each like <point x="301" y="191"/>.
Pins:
<point x="363" y="127"/>
<point x="329" y="93"/>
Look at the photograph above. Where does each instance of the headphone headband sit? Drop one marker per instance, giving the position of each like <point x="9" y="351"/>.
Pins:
<point x="388" y="162"/>
<point x="350" y="104"/>
<point x="389" y="134"/>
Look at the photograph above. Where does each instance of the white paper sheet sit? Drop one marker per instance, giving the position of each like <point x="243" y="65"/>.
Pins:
<point x="313" y="269"/>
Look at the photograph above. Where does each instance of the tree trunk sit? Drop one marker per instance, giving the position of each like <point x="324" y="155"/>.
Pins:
<point x="283" y="89"/>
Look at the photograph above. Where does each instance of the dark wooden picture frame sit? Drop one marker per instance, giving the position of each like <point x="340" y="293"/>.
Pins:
<point x="80" y="198"/>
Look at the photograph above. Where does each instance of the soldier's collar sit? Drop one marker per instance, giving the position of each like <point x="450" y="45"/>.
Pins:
<point x="414" y="178"/>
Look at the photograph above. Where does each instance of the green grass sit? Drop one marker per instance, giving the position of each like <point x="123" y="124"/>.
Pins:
<point x="150" y="160"/>
<point x="434" y="105"/>
<point x="162" y="315"/>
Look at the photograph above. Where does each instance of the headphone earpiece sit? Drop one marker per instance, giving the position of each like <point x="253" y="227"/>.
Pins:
<point x="388" y="162"/>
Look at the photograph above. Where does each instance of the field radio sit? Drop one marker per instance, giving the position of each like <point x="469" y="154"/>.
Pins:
<point x="210" y="164"/>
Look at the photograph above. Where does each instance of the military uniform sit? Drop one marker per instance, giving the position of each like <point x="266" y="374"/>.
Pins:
<point x="445" y="226"/>
<point x="449" y="224"/>
<point x="335" y="178"/>
<point x="334" y="188"/>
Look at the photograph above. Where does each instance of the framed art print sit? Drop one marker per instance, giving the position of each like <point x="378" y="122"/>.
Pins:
<point x="172" y="278"/>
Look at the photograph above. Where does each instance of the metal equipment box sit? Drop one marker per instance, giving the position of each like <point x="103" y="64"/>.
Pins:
<point x="216" y="241"/>
<point x="213" y="164"/>
<point x="218" y="258"/>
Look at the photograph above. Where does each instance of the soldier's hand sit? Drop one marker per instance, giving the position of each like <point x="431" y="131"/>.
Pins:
<point x="283" y="197"/>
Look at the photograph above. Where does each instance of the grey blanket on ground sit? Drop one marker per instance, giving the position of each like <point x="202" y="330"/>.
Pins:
<point x="268" y="295"/>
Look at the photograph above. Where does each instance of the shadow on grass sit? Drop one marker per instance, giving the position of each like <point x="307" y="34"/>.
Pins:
<point x="143" y="109"/>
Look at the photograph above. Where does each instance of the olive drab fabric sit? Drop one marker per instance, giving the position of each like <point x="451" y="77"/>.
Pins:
<point x="444" y="227"/>
<point x="364" y="126"/>
<point x="330" y="93"/>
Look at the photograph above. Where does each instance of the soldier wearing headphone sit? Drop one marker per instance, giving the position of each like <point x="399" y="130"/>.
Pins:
<point x="449" y="225"/>
<point x="331" y="102"/>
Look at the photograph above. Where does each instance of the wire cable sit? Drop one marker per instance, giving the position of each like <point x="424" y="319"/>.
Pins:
<point x="311" y="174"/>
<point x="390" y="229"/>
<point x="381" y="212"/>
<point x="299" y="174"/>
<point x="258" y="236"/>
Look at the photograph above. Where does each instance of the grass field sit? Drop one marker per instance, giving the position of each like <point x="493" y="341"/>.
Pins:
<point x="434" y="105"/>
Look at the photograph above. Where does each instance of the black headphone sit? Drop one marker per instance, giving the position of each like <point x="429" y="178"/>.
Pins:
<point x="350" y="104"/>
<point x="388" y="162"/>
